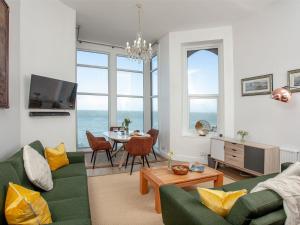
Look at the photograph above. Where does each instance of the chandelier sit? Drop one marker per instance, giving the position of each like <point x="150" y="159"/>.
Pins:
<point x="139" y="51"/>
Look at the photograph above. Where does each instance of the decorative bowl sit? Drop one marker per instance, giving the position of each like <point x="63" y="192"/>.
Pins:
<point x="180" y="169"/>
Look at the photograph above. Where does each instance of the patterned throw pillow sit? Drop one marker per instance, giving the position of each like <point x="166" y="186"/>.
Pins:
<point x="24" y="206"/>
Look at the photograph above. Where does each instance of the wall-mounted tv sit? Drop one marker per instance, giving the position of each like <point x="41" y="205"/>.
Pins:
<point x="49" y="93"/>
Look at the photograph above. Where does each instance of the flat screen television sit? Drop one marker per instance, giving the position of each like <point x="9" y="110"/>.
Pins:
<point x="49" y="93"/>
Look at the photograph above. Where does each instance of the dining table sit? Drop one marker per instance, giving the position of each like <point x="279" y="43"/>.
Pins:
<point x="122" y="137"/>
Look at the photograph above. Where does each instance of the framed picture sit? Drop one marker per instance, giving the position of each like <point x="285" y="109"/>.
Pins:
<point x="4" y="31"/>
<point x="294" y="80"/>
<point x="259" y="85"/>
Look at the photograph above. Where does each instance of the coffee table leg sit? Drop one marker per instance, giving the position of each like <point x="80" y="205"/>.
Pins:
<point x="143" y="183"/>
<point x="157" y="199"/>
<point x="219" y="181"/>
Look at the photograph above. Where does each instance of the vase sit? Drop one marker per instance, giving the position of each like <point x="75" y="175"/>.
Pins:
<point x="170" y="164"/>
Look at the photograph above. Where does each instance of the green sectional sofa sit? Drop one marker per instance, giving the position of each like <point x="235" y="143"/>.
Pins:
<point x="68" y="201"/>
<point x="180" y="207"/>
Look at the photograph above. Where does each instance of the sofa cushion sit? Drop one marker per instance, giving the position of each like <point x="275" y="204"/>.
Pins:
<point x="17" y="162"/>
<point x="7" y="174"/>
<point x="37" y="169"/>
<point x="68" y="209"/>
<point x="73" y="222"/>
<point x="248" y="184"/>
<point x="275" y="218"/>
<point x="72" y="170"/>
<point x="65" y="188"/>
<point x="24" y="206"/>
<point x="254" y="205"/>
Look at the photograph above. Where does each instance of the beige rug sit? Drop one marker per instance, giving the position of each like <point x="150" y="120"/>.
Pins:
<point x="116" y="200"/>
<point x="102" y="161"/>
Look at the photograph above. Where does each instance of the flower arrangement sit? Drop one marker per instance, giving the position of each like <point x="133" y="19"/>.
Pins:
<point x="243" y="134"/>
<point x="126" y="123"/>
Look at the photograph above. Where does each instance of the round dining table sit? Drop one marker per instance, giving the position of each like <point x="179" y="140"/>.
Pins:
<point x="122" y="137"/>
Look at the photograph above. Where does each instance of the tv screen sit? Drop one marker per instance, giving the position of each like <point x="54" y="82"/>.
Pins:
<point x="49" y="93"/>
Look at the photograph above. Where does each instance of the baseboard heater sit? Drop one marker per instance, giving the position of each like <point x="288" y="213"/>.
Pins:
<point x="49" y="114"/>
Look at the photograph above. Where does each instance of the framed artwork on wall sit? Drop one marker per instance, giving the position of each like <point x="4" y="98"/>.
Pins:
<point x="4" y="37"/>
<point x="259" y="85"/>
<point x="294" y="80"/>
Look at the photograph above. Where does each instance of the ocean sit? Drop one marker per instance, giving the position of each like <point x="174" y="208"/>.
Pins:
<point x="97" y="122"/>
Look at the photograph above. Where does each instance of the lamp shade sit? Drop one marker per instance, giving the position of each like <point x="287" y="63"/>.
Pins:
<point x="282" y="94"/>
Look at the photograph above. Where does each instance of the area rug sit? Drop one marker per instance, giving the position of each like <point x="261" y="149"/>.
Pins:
<point x="116" y="200"/>
<point x="102" y="161"/>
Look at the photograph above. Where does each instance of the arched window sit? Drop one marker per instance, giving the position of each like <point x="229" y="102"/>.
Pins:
<point x="203" y="86"/>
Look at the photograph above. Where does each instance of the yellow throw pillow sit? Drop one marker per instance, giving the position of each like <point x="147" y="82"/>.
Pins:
<point x="56" y="157"/>
<point x="26" y="207"/>
<point x="219" y="201"/>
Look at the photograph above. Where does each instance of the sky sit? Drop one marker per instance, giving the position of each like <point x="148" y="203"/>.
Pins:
<point x="202" y="79"/>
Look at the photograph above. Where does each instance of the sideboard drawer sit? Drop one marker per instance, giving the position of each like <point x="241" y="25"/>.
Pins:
<point x="235" y="146"/>
<point x="234" y="160"/>
<point x="235" y="152"/>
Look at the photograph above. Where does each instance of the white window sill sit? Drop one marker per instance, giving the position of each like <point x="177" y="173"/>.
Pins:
<point x="194" y="134"/>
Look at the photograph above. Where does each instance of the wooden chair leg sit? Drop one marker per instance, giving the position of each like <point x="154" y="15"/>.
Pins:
<point x="92" y="156"/>
<point x="147" y="161"/>
<point x="95" y="159"/>
<point x="110" y="159"/>
<point x="154" y="153"/>
<point x="127" y="160"/>
<point x="143" y="158"/>
<point x="132" y="164"/>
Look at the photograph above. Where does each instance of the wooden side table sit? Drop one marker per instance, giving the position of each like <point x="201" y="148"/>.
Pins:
<point x="158" y="176"/>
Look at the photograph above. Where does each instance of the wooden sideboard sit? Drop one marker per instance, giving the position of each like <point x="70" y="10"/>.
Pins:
<point x="250" y="157"/>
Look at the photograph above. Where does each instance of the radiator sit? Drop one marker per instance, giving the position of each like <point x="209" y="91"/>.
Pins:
<point x="289" y="155"/>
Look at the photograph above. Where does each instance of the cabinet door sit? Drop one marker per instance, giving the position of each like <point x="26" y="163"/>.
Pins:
<point x="254" y="159"/>
<point x="217" y="149"/>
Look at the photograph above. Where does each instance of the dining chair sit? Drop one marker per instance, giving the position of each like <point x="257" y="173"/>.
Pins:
<point x="99" y="144"/>
<point x="138" y="146"/>
<point x="154" y="134"/>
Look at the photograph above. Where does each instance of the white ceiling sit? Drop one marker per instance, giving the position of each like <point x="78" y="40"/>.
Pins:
<point x="115" y="21"/>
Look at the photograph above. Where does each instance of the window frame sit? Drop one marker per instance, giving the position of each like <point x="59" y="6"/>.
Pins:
<point x="108" y="95"/>
<point x="187" y="97"/>
<point x="151" y="89"/>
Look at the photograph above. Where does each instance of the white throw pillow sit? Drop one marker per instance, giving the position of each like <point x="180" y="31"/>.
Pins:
<point x="37" y="169"/>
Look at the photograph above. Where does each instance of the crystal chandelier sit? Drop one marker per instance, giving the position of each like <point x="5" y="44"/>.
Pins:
<point x="139" y="50"/>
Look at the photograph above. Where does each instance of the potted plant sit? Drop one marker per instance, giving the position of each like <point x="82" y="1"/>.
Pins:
<point x="126" y="123"/>
<point x="243" y="134"/>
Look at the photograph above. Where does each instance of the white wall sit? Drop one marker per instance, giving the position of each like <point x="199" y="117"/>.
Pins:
<point x="47" y="48"/>
<point x="10" y="118"/>
<point x="191" y="147"/>
<point x="268" y="43"/>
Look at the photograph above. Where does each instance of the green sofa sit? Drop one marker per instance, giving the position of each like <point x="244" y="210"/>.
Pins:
<point x="180" y="207"/>
<point x="68" y="201"/>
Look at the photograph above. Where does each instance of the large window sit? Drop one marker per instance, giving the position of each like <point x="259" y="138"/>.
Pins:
<point x="154" y="92"/>
<point x="203" y="86"/>
<point x="92" y="96"/>
<point x="130" y="92"/>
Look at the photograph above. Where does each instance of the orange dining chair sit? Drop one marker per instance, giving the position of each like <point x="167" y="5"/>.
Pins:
<point x="138" y="146"/>
<point x="99" y="144"/>
<point x="154" y="134"/>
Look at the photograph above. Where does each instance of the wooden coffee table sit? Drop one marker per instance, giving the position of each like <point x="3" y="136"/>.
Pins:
<point x="158" y="176"/>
